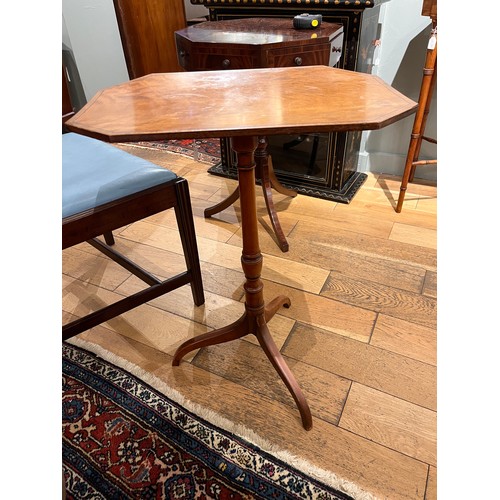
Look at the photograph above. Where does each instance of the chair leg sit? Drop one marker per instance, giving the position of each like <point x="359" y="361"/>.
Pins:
<point x="109" y="238"/>
<point x="185" y="222"/>
<point x="424" y="122"/>
<point x="419" y="122"/>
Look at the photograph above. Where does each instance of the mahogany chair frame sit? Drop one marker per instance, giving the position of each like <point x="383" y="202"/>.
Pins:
<point x="102" y="220"/>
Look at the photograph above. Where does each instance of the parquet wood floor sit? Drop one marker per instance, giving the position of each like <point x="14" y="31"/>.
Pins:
<point x="360" y="335"/>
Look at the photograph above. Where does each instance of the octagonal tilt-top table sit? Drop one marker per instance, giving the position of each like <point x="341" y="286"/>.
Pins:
<point x="243" y="105"/>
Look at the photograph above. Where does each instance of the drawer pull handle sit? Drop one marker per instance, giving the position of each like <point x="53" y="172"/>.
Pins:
<point x="298" y="61"/>
<point x="226" y="63"/>
<point x="182" y="53"/>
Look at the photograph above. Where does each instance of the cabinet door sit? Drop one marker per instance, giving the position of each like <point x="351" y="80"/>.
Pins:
<point x="147" y="29"/>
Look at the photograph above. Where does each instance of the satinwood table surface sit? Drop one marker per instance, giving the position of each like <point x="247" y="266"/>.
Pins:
<point x="228" y="103"/>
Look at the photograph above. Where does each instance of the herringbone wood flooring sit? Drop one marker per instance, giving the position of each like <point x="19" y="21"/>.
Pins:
<point x="360" y="335"/>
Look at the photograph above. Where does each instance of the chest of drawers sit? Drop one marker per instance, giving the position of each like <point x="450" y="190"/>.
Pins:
<point x="257" y="43"/>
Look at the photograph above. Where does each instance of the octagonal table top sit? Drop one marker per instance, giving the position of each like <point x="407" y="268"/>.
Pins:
<point x="190" y="105"/>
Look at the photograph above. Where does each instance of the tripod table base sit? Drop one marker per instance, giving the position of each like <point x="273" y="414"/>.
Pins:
<point x="257" y="314"/>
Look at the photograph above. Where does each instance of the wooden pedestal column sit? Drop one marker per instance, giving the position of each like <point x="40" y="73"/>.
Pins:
<point x="257" y="314"/>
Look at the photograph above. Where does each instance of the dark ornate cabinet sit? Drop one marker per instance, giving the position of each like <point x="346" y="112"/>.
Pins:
<point x="320" y="165"/>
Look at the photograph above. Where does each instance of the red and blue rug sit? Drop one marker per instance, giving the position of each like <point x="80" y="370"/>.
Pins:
<point x="202" y="150"/>
<point x="122" y="439"/>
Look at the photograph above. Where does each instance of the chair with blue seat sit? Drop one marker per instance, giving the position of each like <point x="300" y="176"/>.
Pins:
<point x="105" y="188"/>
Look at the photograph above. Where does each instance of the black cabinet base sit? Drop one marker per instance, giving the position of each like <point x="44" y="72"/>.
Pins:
<point x="344" y="196"/>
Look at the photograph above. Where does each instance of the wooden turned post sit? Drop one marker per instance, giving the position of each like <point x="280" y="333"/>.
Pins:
<point x="251" y="257"/>
<point x="257" y="314"/>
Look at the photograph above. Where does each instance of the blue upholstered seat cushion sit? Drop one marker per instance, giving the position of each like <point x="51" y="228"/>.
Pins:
<point x="95" y="173"/>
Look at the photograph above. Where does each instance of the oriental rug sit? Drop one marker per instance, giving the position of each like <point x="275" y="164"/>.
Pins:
<point x="123" y="438"/>
<point x="202" y="150"/>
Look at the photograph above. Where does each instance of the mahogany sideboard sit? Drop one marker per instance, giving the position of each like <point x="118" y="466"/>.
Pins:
<point x="257" y="43"/>
<point x="333" y="175"/>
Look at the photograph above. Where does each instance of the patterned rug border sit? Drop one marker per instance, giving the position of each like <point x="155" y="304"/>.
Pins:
<point x="324" y="476"/>
<point x="170" y="147"/>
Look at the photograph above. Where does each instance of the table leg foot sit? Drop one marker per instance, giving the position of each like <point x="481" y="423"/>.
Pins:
<point x="219" y="207"/>
<point x="277" y="360"/>
<point x="256" y="325"/>
<point x="268" y="180"/>
<point x="275" y="304"/>
<point x="276" y="184"/>
<point x="273" y="216"/>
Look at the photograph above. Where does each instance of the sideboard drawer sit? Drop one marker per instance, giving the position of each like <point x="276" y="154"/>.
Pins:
<point x="298" y="56"/>
<point x="224" y="60"/>
<point x="217" y="57"/>
<point x="229" y="61"/>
